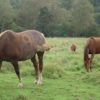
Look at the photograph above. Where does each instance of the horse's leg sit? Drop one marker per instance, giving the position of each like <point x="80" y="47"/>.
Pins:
<point x="40" y="58"/>
<point x="35" y="63"/>
<point x="87" y="64"/>
<point x="0" y="65"/>
<point x="16" y="68"/>
<point x="91" y="59"/>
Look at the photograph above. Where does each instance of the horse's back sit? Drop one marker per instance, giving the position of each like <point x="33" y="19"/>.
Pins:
<point x="95" y="41"/>
<point x="34" y="35"/>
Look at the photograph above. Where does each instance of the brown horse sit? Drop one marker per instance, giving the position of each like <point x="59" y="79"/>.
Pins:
<point x="92" y="47"/>
<point x="21" y="46"/>
<point x="73" y="47"/>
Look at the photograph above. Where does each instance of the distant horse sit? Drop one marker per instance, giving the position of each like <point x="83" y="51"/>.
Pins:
<point x="73" y="47"/>
<point x="92" y="47"/>
<point x="21" y="46"/>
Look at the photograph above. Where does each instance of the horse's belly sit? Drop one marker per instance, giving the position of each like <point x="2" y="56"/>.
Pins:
<point x="26" y="50"/>
<point x="26" y="55"/>
<point x="95" y="50"/>
<point x="22" y="57"/>
<point x="16" y="54"/>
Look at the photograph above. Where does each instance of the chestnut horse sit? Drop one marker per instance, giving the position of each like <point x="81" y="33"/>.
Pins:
<point x="92" y="47"/>
<point x="73" y="47"/>
<point x="20" y="46"/>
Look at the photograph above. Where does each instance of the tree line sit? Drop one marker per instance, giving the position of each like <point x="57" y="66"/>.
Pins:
<point x="52" y="17"/>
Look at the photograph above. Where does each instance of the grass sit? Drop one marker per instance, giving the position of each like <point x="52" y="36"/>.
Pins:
<point x="64" y="75"/>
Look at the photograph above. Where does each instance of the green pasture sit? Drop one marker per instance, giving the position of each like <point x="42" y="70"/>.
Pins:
<point x="64" y="75"/>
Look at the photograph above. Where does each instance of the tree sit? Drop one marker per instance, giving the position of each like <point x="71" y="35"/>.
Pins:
<point x="83" y="17"/>
<point x="67" y="4"/>
<point x="44" y="21"/>
<point x="28" y="13"/>
<point x="16" y="4"/>
<point x="6" y="15"/>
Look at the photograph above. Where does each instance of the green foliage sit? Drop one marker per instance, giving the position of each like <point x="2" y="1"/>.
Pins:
<point x="67" y="3"/>
<point x="53" y="72"/>
<point x="44" y="21"/>
<point x="53" y="18"/>
<point x="83" y="16"/>
<point x="16" y="3"/>
<point x="27" y="13"/>
<point x="6" y="15"/>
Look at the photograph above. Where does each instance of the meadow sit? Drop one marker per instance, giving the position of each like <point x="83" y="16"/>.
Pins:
<point x="64" y="75"/>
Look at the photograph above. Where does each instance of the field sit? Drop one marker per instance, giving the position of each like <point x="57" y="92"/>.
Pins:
<point x="64" y="76"/>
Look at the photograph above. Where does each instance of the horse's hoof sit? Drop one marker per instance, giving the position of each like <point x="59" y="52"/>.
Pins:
<point x="20" y="85"/>
<point x="38" y="82"/>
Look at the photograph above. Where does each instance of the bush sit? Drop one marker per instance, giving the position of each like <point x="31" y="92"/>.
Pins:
<point x="53" y="72"/>
<point x="21" y="97"/>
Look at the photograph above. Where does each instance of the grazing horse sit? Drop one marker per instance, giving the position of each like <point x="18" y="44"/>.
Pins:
<point x="92" y="47"/>
<point x="20" y="46"/>
<point x="73" y="47"/>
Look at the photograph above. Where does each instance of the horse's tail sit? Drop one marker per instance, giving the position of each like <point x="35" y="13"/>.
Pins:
<point x="86" y="56"/>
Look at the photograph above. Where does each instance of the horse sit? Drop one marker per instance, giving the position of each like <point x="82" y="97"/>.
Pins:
<point x="92" y="47"/>
<point x="21" y="46"/>
<point x="73" y="47"/>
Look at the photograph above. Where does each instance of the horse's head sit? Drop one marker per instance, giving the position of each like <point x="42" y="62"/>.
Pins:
<point x="43" y="47"/>
<point x="87" y="64"/>
<point x="46" y="47"/>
